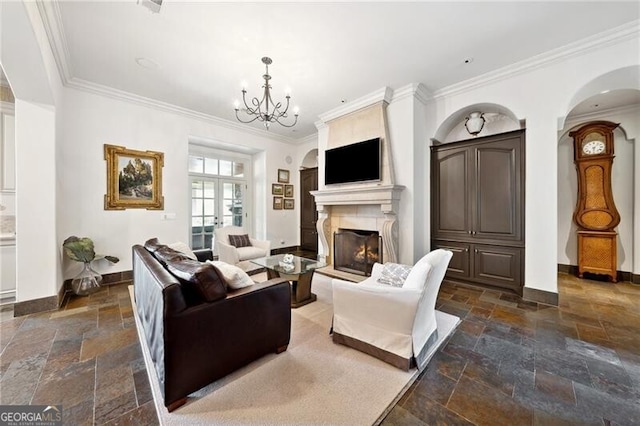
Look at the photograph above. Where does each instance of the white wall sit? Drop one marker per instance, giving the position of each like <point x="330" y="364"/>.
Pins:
<point x="622" y="183"/>
<point x="542" y="96"/>
<point x="94" y="120"/>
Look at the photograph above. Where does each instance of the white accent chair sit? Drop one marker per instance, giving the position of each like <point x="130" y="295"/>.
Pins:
<point x="395" y="324"/>
<point x="240" y="256"/>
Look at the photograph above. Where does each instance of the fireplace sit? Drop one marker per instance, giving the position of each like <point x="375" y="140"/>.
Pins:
<point x="356" y="250"/>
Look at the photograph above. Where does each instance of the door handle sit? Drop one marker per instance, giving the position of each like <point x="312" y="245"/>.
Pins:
<point x="469" y="232"/>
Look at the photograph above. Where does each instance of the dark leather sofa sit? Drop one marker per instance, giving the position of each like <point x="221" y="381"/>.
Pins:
<point x="196" y="329"/>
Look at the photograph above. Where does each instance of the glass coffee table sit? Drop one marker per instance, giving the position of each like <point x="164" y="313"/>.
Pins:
<point x="299" y="275"/>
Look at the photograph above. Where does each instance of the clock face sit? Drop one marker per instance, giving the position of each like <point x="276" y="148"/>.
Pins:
<point x="593" y="148"/>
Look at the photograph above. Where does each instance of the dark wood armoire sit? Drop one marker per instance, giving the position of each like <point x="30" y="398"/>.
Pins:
<point x="477" y="208"/>
<point x="308" y="212"/>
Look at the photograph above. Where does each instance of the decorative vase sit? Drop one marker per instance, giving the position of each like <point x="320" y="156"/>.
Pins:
<point x="474" y="123"/>
<point x="88" y="281"/>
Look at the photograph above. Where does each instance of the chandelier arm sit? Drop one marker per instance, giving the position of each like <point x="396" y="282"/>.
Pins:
<point x="246" y="122"/>
<point x="287" y="125"/>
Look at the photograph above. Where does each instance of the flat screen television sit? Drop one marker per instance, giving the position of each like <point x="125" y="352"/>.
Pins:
<point x="356" y="162"/>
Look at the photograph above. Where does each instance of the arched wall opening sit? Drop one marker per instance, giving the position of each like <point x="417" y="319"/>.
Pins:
<point x="498" y="119"/>
<point x="310" y="159"/>
<point x="620" y="106"/>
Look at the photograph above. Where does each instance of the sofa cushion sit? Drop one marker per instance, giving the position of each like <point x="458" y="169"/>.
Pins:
<point x="204" y="277"/>
<point x="245" y="253"/>
<point x="184" y="249"/>
<point x="240" y="240"/>
<point x="235" y="277"/>
<point x="166" y="254"/>
<point x="394" y="274"/>
<point x="152" y="245"/>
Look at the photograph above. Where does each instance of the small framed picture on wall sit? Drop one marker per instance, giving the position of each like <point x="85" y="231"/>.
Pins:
<point x="283" y="176"/>
<point x="288" y="191"/>
<point x="277" y="203"/>
<point x="288" y="203"/>
<point x="277" y="189"/>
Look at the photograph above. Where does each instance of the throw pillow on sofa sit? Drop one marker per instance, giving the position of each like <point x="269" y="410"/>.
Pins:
<point x="234" y="276"/>
<point x="240" y="240"/>
<point x="206" y="278"/>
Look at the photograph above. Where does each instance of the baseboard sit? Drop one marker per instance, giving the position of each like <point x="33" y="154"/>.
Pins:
<point x="107" y="279"/>
<point x="540" y="296"/>
<point x="620" y="275"/>
<point x="36" y="305"/>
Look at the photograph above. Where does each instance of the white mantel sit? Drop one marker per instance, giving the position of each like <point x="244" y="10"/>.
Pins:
<point x="385" y="196"/>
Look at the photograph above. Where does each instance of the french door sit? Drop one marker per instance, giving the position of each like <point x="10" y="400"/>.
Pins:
<point x="215" y="202"/>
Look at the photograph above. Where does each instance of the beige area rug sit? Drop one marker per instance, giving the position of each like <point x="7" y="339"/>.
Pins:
<point x="315" y="382"/>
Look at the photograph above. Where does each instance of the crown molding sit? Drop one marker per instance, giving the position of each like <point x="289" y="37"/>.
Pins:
<point x="98" y="89"/>
<point x="52" y="22"/>
<point x="612" y="36"/>
<point x="307" y="139"/>
<point x="417" y="90"/>
<point x="381" y="95"/>
<point x="320" y="125"/>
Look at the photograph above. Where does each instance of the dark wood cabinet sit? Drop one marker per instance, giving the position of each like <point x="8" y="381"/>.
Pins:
<point x="308" y="212"/>
<point x="478" y="208"/>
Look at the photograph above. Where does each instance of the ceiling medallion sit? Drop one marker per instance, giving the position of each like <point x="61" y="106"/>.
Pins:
<point x="265" y="109"/>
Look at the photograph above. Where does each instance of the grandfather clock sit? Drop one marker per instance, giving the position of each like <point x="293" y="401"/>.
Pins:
<point x="595" y="214"/>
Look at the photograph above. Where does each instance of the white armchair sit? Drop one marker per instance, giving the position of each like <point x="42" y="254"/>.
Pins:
<point x="395" y="324"/>
<point x="239" y="256"/>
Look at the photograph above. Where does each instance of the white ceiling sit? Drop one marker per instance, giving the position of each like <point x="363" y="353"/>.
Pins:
<point x="323" y="52"/>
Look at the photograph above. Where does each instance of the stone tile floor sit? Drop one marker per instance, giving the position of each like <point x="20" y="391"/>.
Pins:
<point x="511" y="362"/>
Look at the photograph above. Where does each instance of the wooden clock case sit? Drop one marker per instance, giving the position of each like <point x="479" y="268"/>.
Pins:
<point x="595" y="213"/>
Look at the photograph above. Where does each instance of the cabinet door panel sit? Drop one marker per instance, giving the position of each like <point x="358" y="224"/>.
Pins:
<point x="452" y="213"/>
<point x="459" y="266"/>
<point x="498" y="266"/>
<point x="498" y="189"/>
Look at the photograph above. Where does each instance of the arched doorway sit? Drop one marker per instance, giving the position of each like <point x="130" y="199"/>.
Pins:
<point x="308" y="211"/>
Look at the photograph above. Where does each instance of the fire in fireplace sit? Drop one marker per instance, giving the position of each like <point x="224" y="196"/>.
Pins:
<point x="356" y="250"/>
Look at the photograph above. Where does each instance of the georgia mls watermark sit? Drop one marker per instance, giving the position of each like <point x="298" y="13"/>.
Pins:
<point x="30" y="415"/>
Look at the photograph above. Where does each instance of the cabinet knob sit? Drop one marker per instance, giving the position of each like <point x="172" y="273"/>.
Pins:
<point x="466" y="249"/>
<point x="469" y="232"/>
<point x="476" y="250"/>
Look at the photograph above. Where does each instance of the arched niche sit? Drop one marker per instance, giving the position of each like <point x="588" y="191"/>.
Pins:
<point x="620" y="79"/>
<point x="618" y="95"/>
<point x="498" y="119"/>
<point x="310" y="159"/>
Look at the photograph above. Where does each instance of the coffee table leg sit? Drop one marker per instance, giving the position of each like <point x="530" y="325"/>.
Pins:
<point x="301" y="290"/>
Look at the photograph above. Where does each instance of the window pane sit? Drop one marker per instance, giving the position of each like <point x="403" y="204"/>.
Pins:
<point x="196" y="207"/>
<point x="209" y="207"/>
<point x="207" y="241"/>
<point x="196" y="242"/>
<point x="238" y="169"/>
<point x="237" y="220"/>
<point x="237" y="188"/>
<point x="209" y="190"/>
<point x="196" y="221"/>
<point x="228" y="207"/>
<point x="225" y="168"/>
<point x="196" y="189"/>
<point x="211" y="166"/>
<point x="227" y="191"/>
<point x="195" y="164"/>
<point x="227" y="221"/>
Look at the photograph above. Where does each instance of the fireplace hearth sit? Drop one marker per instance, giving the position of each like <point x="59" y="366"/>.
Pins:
<point x="356" y="250"/>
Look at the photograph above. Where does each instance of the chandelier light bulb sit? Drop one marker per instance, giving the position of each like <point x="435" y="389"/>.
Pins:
<point x="264" y="108"/>
<point x="236" y="104"/>
<point x="296" y="111"/>
<point x="243" y="85"/>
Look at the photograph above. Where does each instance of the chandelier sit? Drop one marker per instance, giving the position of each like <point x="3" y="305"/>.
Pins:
<point x="265" y="109"/>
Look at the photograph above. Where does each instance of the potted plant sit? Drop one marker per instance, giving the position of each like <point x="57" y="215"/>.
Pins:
<point x="82" y="250"/>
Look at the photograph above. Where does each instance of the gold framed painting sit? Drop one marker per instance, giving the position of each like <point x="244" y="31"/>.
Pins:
<point x="277" y="203"/>
<point x="288" y="191"/>
<point x="283" y="176"/>
<point x="134" y="179"/>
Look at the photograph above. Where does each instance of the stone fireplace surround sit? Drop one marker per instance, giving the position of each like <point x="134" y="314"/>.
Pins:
<point x="365" y="205"/>
<point x="366" y="208"/>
